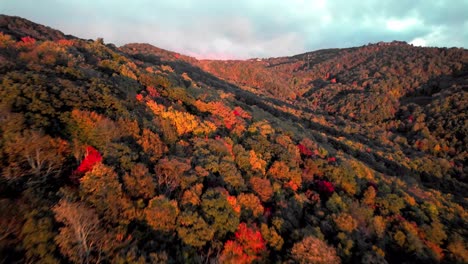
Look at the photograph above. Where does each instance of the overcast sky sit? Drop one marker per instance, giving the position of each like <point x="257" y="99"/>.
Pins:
<point x="252" y="28"/>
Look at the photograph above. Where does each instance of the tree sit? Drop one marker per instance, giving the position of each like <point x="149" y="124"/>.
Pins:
<point x="101" y="188"/>
<point x="152" y="145"/>
<point x="272" y="237"/>
<point x="35" y="154"/>
<point x="81" y="238"/>
<point x="91" y="158"/>
<point x="250" y="204"/>
<point x="161" y="213"/>
<point x="139" y="182"/>
<point x="218" y="213"/>
<point x="246" y="248"/>
<point x="262" y="187"/>
<point x="37" y="237"/>
<point x="193" y="230"/>
<point x="169" y="172"/>
<point x="314" y="251"/>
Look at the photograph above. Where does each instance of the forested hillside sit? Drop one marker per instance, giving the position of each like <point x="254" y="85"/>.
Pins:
<point x="136" y="154"/>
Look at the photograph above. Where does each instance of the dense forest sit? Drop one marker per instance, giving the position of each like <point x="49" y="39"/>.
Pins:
<point x="135" y="154"/>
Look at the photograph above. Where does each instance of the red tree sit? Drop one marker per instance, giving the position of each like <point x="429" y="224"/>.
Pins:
<point x="91" y="158"/>
<point x="247" y="247"/>
<point x="304" y="150"/>
<point x="325" y="187"/>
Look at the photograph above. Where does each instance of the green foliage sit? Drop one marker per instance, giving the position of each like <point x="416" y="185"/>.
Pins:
<point x="218" y="213"/>
<point x="38" y="237"/>
<point x="193" y="230"/>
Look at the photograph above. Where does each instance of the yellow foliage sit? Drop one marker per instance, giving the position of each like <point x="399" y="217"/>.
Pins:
<point x="183" y="122"/>
<point x="257" y="163"/>
<point x="345" y="222"/>
<point x="250" y="202"/>
<point x="6" y="40"/>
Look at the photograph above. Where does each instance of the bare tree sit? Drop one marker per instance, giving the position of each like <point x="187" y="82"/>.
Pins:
<point x="81" y="238"/>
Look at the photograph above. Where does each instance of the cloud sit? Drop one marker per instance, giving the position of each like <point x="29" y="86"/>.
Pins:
<point x="253" y="28"/>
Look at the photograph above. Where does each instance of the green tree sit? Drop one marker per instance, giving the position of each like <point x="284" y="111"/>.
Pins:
<point x="38" y="238"/>
<point x="218" y="213"/>
<point x="193" y="230"/>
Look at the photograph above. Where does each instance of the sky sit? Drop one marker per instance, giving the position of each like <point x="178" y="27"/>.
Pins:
<point x="241" y="29"/>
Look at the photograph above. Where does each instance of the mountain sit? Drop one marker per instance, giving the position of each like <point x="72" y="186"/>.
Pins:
<point x="137" y="154"/>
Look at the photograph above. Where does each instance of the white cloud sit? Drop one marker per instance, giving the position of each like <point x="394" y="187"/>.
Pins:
<point x="252" y="28"/>
<point x="401" y="24"/>
<point x="419" y="42"/>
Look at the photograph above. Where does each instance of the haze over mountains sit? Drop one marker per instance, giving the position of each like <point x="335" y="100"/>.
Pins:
<point x="353" y="155"/>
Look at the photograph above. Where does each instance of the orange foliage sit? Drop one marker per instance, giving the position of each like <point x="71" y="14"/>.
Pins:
<point x="247" y="247"/>
<point x="257" y="163"/>
<point x="66" y="42"/>
<point x="232" y="200"/>
<point x="262" y="187"/>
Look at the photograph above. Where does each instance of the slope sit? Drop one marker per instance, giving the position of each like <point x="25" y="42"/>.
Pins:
<point x="136" y="154"/>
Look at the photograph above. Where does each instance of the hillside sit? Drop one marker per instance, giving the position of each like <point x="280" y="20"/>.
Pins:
<point x="136" y="154"/>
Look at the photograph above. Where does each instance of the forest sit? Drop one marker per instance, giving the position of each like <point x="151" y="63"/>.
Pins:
<point x="135" y="154"/>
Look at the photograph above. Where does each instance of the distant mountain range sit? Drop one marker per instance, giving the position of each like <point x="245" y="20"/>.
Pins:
<point x="136" y="154"/>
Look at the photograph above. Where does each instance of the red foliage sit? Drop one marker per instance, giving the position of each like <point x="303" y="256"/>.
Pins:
<point x="139" y="97"/>
<point x="325" y="187"/>
<point x="411" y="119"/>
<point x="331" y="159"/>
<point x="292" y="185"/>
<point x="233" y="253"/>
<point x="28" y="40"/>
<point x="246" y="248"/>
<point x="251" y="240"/>
<point x="91" y="158"/>
<point x="152" y="91"/>
<point x="238" y="111"/>
<point x="333" y="80"/>
<point x="177" y="55"/>
<point x="304" y="150"/>
<point x="327" y="76"/>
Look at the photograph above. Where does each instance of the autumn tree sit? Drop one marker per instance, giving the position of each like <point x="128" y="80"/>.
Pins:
<point x="262" y="187"/>
<point x="152" y="145"/>
<point x="218" y="213"/>
<point x="314" y="250"/>
<point x="271" y="236"/>
<point x="81" y="238"/>
<point x="161" y="214"/>
<point x="247" y="247"/>
<point x="36" y="155"/>
<point x="139" y="182"/>
<point x="250" y="204"/>
<point x="91" y="158"/>
<point x="92" y="128"/>
<point x="38" y="237"/>
<point x="169" y="172"/>
<point x="193" y="230"/>
<point x="101" y="188"/>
